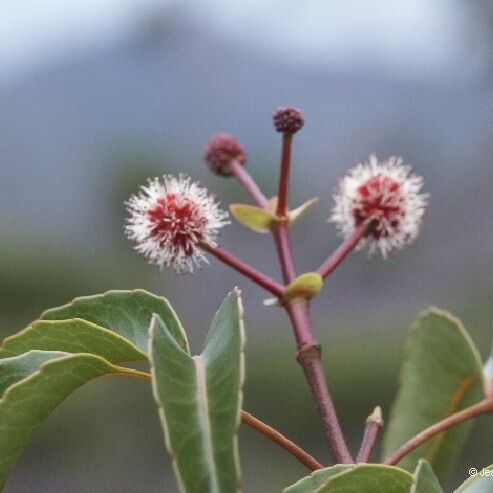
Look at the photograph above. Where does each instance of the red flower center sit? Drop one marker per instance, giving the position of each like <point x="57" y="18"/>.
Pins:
<point x="177" y="220"/>
<point x="380" y="199"/>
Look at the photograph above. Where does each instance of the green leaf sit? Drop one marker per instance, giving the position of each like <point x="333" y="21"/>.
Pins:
<point x="442" y="374"/>
<point x="199" y="400"/>
<point x="306" y="286"/>
<point x="14" y="369"/>
<point x="482" y="482"/>
<point x="369" y="478"/>
<point x="128" y="313"/>
<point x="71" y="336"/>
<point x="316" y="479"/>
<point x="296" y="214"/>
<point x="37" y="383"/>
<point x="425" y="480"/>
<point x="253" y="217"/>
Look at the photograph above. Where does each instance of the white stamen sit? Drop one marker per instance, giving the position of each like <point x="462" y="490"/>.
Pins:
<point x="409" y="204"/>
<point x="162" y="247"/>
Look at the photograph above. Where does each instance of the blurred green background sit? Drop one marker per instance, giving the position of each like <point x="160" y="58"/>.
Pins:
<point x="97" y="96"/>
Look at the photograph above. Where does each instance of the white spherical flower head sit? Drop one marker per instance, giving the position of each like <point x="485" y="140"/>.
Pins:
<point x="384" y="195"/>
<point x="169" y="219"/>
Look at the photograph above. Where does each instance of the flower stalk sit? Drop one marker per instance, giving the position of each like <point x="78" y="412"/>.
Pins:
<point x="282" y="204"/>
<point x="247" y="270"/>
<point x="343" y="250"/>
<point x="248" y="183"/>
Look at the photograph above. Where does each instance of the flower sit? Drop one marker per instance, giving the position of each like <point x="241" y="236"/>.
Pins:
<point x="386" y="197"/>
<point x="169" y="219"/>
<point x="221" y="151"/>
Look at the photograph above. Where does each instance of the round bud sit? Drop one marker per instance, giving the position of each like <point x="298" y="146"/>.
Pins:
<point x="221" y="151"/>
<point x="288" y="120"/>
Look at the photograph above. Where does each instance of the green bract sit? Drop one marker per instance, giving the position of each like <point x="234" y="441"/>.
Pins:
<point x="254" y="218"/>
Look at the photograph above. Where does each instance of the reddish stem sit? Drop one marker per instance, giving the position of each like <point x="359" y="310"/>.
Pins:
<point x="298" y="310"/>
<point x="271" y="433"/>
<point x="474" y="411"/>
<point x="299" y="313"/>
<point x="249" y="183"/>
<point x="343" y="250"/>
<point x="310" y="360"/>
<point x="374" y="424"/>
<point x="247" y="270"/>
<point x="285" y="252"/>
<point x="282" y="204"/>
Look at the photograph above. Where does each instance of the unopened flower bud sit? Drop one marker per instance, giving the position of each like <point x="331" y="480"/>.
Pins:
<point x="221" y="151"/>
<point x="288" y="120"/>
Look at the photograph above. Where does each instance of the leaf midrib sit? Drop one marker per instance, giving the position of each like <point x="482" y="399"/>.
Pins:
<point x="203" y="405"/>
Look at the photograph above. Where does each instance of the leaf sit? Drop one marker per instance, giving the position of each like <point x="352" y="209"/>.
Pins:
<point x="199" y="400"/>
<point x="296" y="214"/>
<point x="316" y="479"/>
<point x="38" y="382"/>
<point x="442" y="374"/>
<point x="128" y="313"/>
<point x="14" y="369"/>
<point x="368" y="478"/>
<point x="253" y="217"/>
<point x="305" y="286"/>
<point x="482" y="482"/>
<point x="71" y="336"/>
<point x="425" y="480"/>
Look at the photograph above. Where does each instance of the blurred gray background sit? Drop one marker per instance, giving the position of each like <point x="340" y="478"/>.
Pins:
<point x="98" y="95"/>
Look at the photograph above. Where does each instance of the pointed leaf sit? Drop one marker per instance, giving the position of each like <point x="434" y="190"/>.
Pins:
<point x="481" y="482"/>
<point x="71" y="336"/>
<point x="253" y="217"/>
<point x="199" y="400"/>
<point x="369" y="478"/>
<point x="37" y="383"/>
<point x="425" y="480"/>
<point x="296" y="214"/>
<point x="441" y="375"/>
<point x="316" y="479"/>
<point x="305" y="286"/>
<point x="128" y="313"/>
